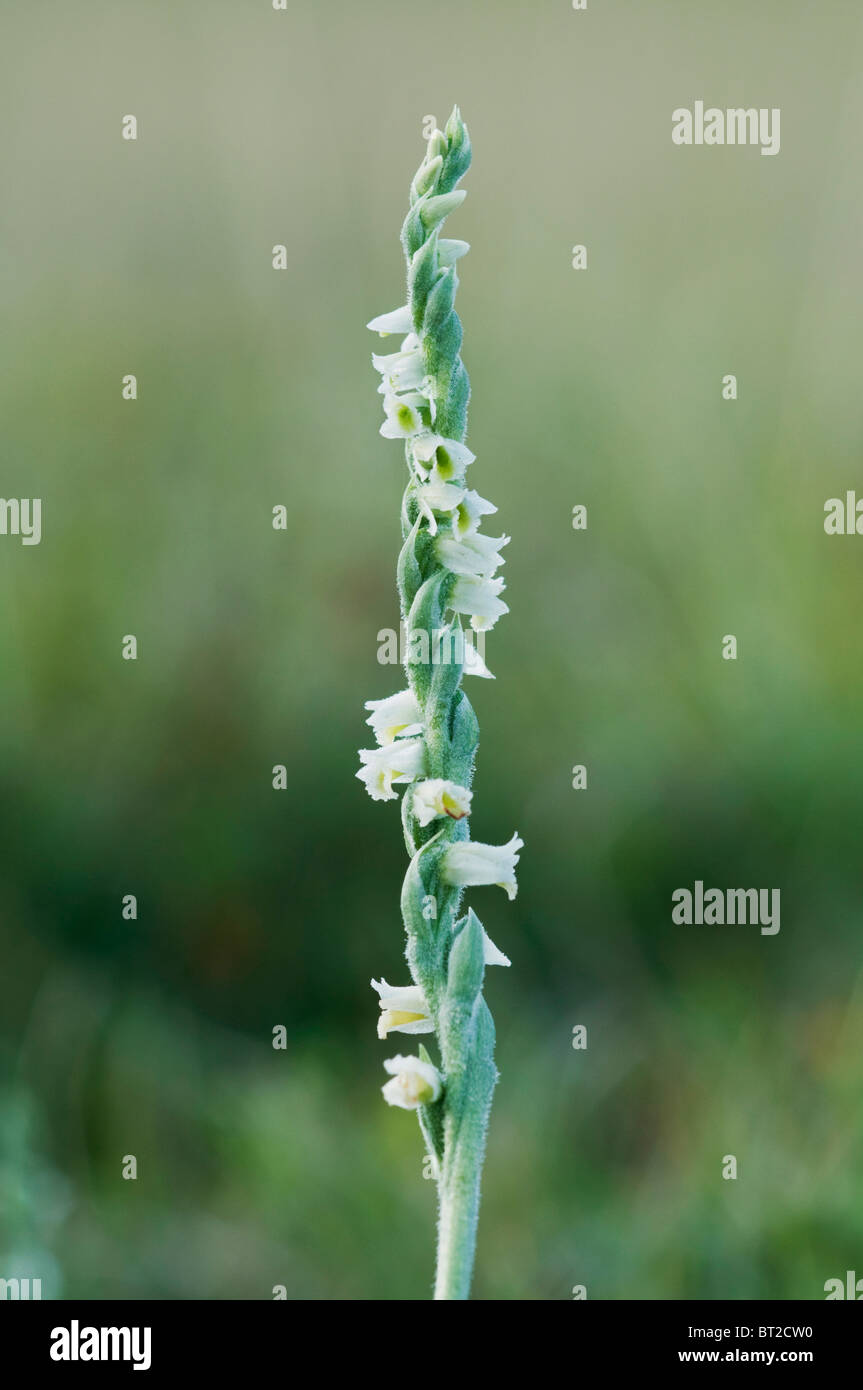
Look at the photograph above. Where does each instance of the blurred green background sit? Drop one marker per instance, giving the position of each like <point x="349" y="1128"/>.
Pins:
<point x="258" y="647"/>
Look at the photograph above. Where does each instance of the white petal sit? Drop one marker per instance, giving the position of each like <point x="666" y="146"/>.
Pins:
<point x="458" y="451"/>
<point x="401" y="371"/>
<point x="407" y="997"/>
<point x="414" y="1082"/>
<point x="476" y="555"/>
<point x="478" y="598"/>
<point x="474" y="664"/>
<point x="386" y="361"/>
<point x="396" y="1064"/>
<point x="400" y="761"/>
<point x="403" y="417"/>
<point x="472" y="508"/>
<point x="427" y="446"/>
<point x="403" y="1010"/>
<point x="490" y="953"/>
<point x="468" y="863"/>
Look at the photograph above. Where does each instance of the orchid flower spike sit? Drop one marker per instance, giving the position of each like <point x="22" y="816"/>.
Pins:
<point x="414" y="1083"/>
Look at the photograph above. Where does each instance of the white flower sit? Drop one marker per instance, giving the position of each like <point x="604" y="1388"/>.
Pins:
<point x="479" y="598"/>
<point x="433" y="210"/>
<point x="437" y="797"/>
<point x="414" y="1082"/>
<point x="471" y="508"/>
<point x="397" y="714"/>
<point x="400" y="761"/>
<point x="438" y="476"/>
<point x="467" y="863"/>
<point x="427" y="173"/>
<point x="474" y="664"/>
<point x="403" y="1009"/>
<point x="438" y="497"/>
<point x="388" y="362"/>
<point x="403" y="417"/>
<point x="477" y="555"/>
<point x="449" y="250"/>
<point x="398" y="321"/>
